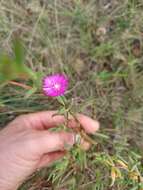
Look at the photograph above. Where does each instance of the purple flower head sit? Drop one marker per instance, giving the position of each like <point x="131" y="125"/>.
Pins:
<point x="55" y="85"/>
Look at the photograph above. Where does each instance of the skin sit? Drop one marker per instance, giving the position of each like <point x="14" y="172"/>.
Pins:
<point x="26" y="145"/>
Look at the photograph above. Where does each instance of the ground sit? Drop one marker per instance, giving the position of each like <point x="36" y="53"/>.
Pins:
<point x="98" y="45"/>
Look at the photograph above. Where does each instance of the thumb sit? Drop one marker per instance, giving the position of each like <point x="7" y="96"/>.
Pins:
<point x="47" y="142"/>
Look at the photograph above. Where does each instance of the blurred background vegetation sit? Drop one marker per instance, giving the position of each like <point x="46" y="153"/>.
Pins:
<point x="99" y="45"/>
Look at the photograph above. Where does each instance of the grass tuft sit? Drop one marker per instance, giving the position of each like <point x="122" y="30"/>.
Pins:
<point x="98" y="44"/>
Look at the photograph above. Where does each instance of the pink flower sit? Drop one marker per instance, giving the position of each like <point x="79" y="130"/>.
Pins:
<point x="55" y="85"/>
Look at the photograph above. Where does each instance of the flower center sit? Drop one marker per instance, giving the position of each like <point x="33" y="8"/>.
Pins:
<point x="57" y="86"/>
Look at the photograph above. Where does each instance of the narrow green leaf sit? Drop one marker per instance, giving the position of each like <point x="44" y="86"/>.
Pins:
<point x="19" y="53"/>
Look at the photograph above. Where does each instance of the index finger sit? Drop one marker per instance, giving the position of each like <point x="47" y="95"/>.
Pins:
<point x="42" y="120"/>
<point x="47" y="119"/>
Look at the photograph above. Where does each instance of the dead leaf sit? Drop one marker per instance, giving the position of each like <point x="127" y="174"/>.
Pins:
<point x="113" y="175"/>
<point x="122" y="164"/>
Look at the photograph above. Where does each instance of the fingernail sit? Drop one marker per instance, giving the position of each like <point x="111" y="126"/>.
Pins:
<point x="96" y="127"/>
<point x="77" y="138"/>
<point x="85" y="145"/>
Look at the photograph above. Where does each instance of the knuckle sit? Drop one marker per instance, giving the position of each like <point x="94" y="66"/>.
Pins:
<point x="20" y="117"/>
<point x="22" y="120"/>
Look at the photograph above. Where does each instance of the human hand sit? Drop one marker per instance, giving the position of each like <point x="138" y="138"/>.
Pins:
<point x="26" y="145"/>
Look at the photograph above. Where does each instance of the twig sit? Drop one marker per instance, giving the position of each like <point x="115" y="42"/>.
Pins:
<point x="20" y="85"/>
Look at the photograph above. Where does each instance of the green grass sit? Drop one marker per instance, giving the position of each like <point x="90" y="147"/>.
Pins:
<point x="99" y="46"/>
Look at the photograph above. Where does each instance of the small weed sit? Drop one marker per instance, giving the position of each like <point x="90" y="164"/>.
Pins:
<point x="99" y="46"/>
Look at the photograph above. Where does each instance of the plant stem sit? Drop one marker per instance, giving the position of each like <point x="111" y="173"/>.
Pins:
<point x="80" y="130"/>
<point x="20" y="85"/>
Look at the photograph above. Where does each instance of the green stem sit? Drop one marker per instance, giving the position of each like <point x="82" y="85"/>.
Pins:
<point x="79" y="128"/>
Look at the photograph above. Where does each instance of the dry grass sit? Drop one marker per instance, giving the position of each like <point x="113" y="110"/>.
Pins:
<point x="98" y="44"/>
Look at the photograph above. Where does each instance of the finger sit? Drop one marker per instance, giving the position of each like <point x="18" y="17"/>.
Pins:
<point x="42" y="120"/>
<point x="46" y="142"/>
<point x="84" y="145"/>
<point x="48" y="119"/>
<point x="50" y="158"/>
<point x="88" y="124"/>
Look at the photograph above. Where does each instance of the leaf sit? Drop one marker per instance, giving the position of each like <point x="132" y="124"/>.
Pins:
<point x="118" y="173"/>
<point x="134" y="176"/>
<point x="110" y="160"/>
<point x="80" y="157"/>
<point x="122" y="164"/>
<point x="104" y="75"/>
<point x="2" y="104"/>
<point x="100" y="135"/>
<point x="113" y="176"/>
<point x="19" y="53"/>
<point x="108" y="163"/>
<point x="62" y="100"/>
<point x="115" y="173"/>
<point x="30" y="92"/>
<point x="62" y="111"/>
<point x="14" y="67"/>
<point x="19" y="59"/>
<point x="7" y="70"/>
